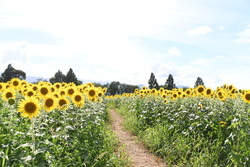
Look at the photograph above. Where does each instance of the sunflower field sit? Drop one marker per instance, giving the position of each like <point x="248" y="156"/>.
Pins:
<point x="193" y="127"/>
<point x="57" y="124"/>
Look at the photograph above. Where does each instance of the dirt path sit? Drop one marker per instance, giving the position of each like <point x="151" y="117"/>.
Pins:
<point x="139" y="156"/>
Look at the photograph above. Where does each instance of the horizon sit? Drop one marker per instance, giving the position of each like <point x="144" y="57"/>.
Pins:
<point x="126" y="41"/>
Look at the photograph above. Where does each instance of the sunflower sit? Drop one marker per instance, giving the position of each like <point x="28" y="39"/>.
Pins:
<point x="188" y="92"/>
<point x="246" y="96"/>
<point x="43" y="91"/>
<point x="164" y="95"/>
<point x="78" y="99"/>
<point x="100" y="94"/>
<point x="104" y="90"/>
<point x="50" y="103"/>
<point x="52" y="89"/>
<point x="93" y="99"/>
<point x="222" y="123"/>
<point x="70" y="91"/>
<point x="55" y="94"/>
<point x="221" y="95"/>
<point x="35" y="87"/>
<point x="11" y="101"/>
<point x="15" y="82"/>
<point x="57" y="85"/>
<point x="208" y="92"/>
<point x="2" y="86"/>
<point x="200" y="89"/>
<point x="174" y="96"/>
<point x="8" y="93"/>
<point x="29" y="107"/>
<point x="30" y="92"/>
<point x="91" y="93"/>
<point x="63" y="103"/>
<point x="62" y="92"/>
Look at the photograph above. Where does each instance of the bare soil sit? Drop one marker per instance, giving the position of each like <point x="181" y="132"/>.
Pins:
<point x="136" y="152"/>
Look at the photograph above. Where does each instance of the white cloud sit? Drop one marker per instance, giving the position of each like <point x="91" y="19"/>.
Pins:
<point x="221" y="27"/>
<point x="174" y="52"/>
<point x="201" y="30"/>
<point x="244" y="36"/>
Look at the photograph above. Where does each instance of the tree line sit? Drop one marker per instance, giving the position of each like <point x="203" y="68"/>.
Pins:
<point x="169" y="84"/>
<point x="113" y="88"/>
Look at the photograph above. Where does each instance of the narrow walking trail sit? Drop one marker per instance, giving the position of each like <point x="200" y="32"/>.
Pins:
<point x="139" y="156"/>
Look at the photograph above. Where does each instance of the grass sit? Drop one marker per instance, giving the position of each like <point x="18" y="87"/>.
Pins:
<point x="194" y="131"/>
<point x="74" y="137"/>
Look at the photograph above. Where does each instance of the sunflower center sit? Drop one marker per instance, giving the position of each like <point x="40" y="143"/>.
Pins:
<point x="91" y="93"/>
<point x="208" y="91"/>
<point x="62" y="102"/>
<point x="15" y="83"/>
<point x="9" y="94"/>
<point x="49" y="102"/>
<point x="30" y="93"/>
<point x="200" y="90"/>
<point x="30" y="107"/>
<point x="78" y="98"/>
<point x="220" y="93"/>
<point x="71" y="91"/>
<point x="247" y="96"/>
<point x="34" y="88"/>
<point x="44" y="91"/>
<point x="11" y="101"/>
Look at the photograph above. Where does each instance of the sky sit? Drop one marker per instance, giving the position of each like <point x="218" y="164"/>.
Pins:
<point x="125" y="41"/>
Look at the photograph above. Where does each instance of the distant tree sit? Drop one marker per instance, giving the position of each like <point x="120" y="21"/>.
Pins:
<point x="114" y="87"/>
<point x="198" y="82"/>
<point x="126" y="88"/>
<point x="11" y="72"/>
<point x="98" y="85"/>
<point x="58" y="77"/>
<point x="71" y="77"/>
<point x="169" y="84"/>
<point x="153" y="82"/>
<point x="39" y="80"/>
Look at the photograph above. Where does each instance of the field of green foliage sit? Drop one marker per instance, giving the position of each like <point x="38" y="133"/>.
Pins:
<point x="63" y="124"/>
<point x="74" y="137"/>
<point x="190" y="128"/>
<point x="48" y="125"/>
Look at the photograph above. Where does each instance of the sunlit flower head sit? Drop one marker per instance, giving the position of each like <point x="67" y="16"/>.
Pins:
<point x="43" y="91"/>
<point x="246" y="96"/>
<point x="70" y="91"/>
<point x="8" y="93"/>
<point x="91" y="92"/>
<point x="200" y="89"/>
<point x="78" y="99"/>
<point x="63" y="103"/>
<point x="29" y="107"/>
<point x="15" y="83"/>
<point x="50" y="103"/>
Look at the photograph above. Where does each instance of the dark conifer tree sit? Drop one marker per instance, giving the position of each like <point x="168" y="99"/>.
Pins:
<point x="198" y="82"/>
<point x="153" y="82"/>
<point x="59" y="77"/>
<point x="169" y="84"/>
<point x="71" y="77"/>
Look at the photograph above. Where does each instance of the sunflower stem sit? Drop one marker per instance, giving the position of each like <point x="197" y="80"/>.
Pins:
<point x="33" y="141"/>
